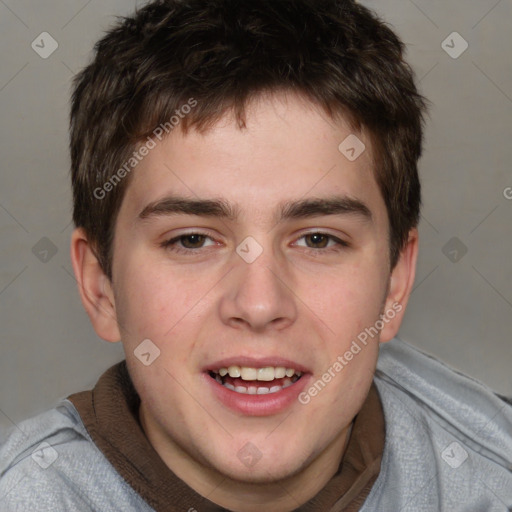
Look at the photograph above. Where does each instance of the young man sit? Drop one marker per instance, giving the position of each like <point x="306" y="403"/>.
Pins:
<point x="246" y="202"/>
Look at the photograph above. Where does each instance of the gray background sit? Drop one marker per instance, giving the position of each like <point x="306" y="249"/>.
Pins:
<point x="461" y="307"/>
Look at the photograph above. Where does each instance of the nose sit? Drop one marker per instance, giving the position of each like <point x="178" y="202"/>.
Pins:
<point x="259" y="295"/>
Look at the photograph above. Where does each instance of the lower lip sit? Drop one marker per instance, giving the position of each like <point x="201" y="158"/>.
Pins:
<point x="258" y="405"/>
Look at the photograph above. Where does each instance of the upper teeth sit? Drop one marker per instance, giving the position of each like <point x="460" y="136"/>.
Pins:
<point x="265" y="374"/>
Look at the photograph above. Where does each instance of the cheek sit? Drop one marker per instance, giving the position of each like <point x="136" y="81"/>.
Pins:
<point x="156" y="301"/>
<point x="354" y="297"/>
<point x="146" y="301"/>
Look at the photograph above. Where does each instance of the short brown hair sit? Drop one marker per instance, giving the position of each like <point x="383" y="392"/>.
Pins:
<point x="223" y="53"/>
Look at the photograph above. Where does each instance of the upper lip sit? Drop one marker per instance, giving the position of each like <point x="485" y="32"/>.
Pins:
<point x="253" y="362"/>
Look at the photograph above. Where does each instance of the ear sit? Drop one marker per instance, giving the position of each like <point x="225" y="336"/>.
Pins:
<point x="399" y="289"/>
<point x="95" y="288"/>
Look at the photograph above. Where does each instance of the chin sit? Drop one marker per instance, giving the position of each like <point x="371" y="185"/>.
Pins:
<point x="260" y="474"/>
<point x="250" y="466"/>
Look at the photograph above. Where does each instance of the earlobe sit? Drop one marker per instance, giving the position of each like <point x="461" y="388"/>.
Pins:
<point x="400" y="287"/>
<point x="94" y="287"/>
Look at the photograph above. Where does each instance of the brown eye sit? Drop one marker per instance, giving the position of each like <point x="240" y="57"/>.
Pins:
<point x="189" y="243"/>
<point x="318" y="243"/>
<point x="195" y="240"/>
<point x="318" y="239"/>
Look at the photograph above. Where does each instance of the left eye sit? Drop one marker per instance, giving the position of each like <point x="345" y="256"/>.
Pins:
<point x="318" y="238"/>
<point x="193" y="241"/>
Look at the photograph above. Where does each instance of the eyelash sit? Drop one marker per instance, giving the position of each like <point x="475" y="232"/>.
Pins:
<point x="171" y="244"/>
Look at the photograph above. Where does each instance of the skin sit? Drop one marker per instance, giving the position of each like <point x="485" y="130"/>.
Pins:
<point x="198" y="308"/>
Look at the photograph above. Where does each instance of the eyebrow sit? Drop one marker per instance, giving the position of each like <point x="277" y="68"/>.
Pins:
<point x="287" y="210"/>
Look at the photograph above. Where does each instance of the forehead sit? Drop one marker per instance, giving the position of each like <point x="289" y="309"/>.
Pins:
<point x="289" y="150"/>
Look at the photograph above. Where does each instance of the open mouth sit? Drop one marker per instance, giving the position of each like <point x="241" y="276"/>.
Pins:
<point x="255" y="381"/>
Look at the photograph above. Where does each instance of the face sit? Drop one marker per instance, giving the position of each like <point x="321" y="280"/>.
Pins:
<point x="253" y="282"/>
